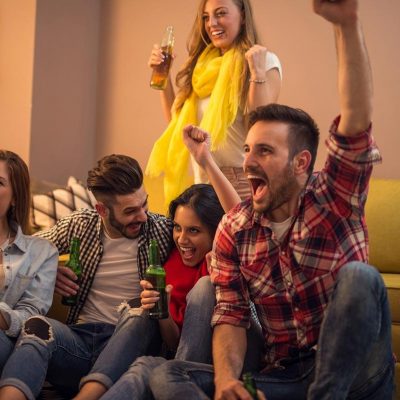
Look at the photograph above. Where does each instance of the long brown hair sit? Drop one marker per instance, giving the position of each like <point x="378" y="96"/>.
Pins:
<point x="20" y="184"/>
<point x="198" y="41"/>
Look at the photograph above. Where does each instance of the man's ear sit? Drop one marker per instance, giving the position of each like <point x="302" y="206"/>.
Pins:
<point x="301" y="162"/>
<point x="101" y="209"/>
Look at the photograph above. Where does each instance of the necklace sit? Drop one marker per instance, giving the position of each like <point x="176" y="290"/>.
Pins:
<point x="4" y="245"/>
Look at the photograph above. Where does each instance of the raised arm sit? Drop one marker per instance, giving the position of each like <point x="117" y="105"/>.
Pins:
<point x="197" y="141"/>
<point x="167" y="96"/>
<point x="354" y="71"/>
<point x="264" y="85"/>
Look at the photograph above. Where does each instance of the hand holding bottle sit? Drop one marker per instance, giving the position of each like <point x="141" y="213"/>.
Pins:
<point x="161" y="59"/>
<point x="149" y="296"/>
<point x="75" y="266"/>
<point x="235" y="389"/>
<point x="155" y="277"/>
<point x="66" y="282"/>
<point x="156" y="56"/>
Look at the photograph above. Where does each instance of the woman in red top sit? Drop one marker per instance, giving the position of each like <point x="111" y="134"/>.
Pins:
<point x="196" y="214"/>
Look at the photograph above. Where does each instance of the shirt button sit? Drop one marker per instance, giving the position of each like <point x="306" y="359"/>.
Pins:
<point x="284" y="253"/>
<point x="8" y="267"/>
<point x="6" y="286"/>
<point x="296" y="309"/>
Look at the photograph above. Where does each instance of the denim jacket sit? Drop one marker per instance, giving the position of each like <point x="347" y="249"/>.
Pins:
<point x="30" y="268"/>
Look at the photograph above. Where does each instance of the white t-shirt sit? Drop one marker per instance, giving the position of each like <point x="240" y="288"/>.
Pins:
<point x="280" y="228"/>
<point x="231" y="153"/>
<point x="116" y="280"/>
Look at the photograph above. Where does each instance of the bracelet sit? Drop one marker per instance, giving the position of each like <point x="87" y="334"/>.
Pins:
<point x="257" y="80"/>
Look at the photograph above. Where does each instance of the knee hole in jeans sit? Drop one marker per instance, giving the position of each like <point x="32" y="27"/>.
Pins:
<point x="38" y="326"/>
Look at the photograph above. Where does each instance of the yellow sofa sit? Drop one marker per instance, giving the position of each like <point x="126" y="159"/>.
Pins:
<point x="383" y="221"/>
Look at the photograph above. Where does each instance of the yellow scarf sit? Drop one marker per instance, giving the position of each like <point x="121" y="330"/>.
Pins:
<point x="218" y="77"/>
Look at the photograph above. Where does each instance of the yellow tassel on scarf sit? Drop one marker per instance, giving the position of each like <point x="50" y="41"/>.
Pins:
<point x="219" y="77"/>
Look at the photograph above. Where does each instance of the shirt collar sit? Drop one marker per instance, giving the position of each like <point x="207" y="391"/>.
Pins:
<point x="20" y="239"/>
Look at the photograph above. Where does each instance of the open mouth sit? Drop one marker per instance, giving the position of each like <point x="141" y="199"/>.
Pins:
<point x="187" y="253"/>
<point x="259" y="187"/>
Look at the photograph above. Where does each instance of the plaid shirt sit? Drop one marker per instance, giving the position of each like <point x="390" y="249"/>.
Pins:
<point x="87" y="226"/>
<point x="290" y="282"/>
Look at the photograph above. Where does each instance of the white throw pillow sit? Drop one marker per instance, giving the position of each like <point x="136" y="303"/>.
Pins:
<point x="58" y="203"/>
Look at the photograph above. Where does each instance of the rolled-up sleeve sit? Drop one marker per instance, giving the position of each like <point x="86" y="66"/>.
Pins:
<point x="231" y="291"/>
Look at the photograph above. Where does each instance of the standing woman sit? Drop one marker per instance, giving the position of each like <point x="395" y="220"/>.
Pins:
<point x="226" y="75"/>
<point x="28" y="265"/>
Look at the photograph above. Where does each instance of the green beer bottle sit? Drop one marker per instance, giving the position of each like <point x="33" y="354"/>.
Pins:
<point x="74" y="264"/>
<point x="155" y="274"/>
<point x="250" y="385"/>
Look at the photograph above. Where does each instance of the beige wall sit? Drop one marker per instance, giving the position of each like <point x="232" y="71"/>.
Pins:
<point x="17" y="28"/>
<point x="64" y="89"/>
<point x="90" y="83"/>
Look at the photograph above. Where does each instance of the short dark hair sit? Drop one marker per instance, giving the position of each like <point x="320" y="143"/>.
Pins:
<point x="203" y="200"/>
<point x="20" y="184"/>
<point x="303" y="131"/>
<point x="114" y="174"/>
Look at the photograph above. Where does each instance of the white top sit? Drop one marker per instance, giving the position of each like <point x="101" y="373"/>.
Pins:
<point x="116" y="280"/>
<point x="231" y="153"/>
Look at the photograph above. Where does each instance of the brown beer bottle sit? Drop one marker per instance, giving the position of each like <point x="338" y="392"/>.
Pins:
<point x="159" y="77"/>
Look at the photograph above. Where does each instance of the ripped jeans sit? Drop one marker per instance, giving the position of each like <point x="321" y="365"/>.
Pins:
<point x="61" y="354"/>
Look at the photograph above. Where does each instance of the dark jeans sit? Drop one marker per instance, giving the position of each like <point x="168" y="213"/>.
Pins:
<point x="354" y="358"/>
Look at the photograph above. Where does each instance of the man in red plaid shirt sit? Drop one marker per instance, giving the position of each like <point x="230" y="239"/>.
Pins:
<point x="298" y="250"/>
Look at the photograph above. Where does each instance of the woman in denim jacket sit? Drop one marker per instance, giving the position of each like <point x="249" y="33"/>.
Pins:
<point x="28" y="265"/>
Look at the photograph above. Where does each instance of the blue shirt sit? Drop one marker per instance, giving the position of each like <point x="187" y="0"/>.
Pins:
<point x="30" y="268"/>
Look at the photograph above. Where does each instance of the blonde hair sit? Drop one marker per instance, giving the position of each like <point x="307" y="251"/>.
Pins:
<point x="198" y="41"/>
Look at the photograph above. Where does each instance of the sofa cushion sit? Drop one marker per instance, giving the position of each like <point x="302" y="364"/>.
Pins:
<point x="383" y="221"/>
<point x="47" y="208"/>
<point x="392" y="282"/>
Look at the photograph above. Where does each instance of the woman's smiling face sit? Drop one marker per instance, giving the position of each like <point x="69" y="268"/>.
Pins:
<point x="192" y="238"/>
<point x="222" y="22"/>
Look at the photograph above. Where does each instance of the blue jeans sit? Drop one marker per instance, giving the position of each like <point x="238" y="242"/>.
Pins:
<point x="353" y="360"/>
<point x="64" y="354"/>
<point x="49" y="347"/>
<point x="194" y="345"/>
<point x="6" y="347"/>
<point x="134" y="384"/>
<point x="196" y="335"/>
<point x="135" y="335"/>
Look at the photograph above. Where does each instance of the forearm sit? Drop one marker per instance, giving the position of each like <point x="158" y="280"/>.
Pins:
<point x="226" y="193"/>
<point x="263" y="93"/>
<point x="167" y="97"/>
<point x="169" y="332"/>
<point x="229" y="349"/>
<point x="354" y="79"/>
